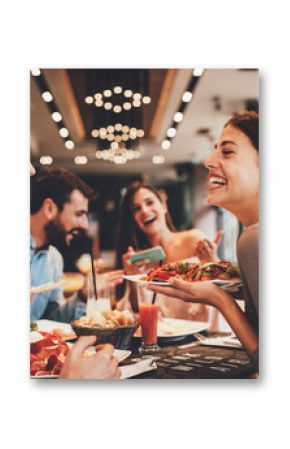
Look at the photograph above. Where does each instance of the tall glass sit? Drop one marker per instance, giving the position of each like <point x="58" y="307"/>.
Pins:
<point x="148" y="313"/>
<point x="103" y="302"/>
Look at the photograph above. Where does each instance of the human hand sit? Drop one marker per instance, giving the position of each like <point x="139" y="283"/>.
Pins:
<point x="31" y="295"/>
<point x="197" y="292"/>
<point x="134" y="268"/>
<point x="110" y="278"/>
<point x="102" y="365"/>
<point x="206" y="249"/>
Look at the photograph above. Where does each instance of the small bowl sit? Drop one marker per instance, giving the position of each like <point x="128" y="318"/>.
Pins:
<point x="120" y="337"/>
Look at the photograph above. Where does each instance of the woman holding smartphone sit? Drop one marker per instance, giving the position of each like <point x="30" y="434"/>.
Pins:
<point x="233" y="183"/>
<point x="145" y="223"/>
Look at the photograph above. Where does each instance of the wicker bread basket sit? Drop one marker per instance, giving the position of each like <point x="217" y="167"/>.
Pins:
<point x="120" y="337"/>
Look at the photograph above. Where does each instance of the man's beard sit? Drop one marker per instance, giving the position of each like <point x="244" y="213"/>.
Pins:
<point x="54" y="232"/>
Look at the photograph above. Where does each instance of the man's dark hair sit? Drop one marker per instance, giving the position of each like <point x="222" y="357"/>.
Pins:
<point x="57" y="184"/>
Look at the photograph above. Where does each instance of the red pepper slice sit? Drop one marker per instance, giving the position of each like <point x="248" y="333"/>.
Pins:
<point x="162" y="275"/>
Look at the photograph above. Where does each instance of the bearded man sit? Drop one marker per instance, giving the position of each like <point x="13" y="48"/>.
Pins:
<point x="59" y="207"/>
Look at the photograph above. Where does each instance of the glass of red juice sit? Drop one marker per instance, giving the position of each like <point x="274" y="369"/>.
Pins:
<point x="148" y="314"/>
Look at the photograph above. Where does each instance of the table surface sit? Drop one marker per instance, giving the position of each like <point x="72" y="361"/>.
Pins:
<point x="195" y="362"/>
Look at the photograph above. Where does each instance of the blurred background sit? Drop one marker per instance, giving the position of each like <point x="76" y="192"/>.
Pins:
<point x="115" y="126"/>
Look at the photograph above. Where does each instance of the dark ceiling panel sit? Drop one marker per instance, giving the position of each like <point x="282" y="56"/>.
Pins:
<point x="87" y="82"/>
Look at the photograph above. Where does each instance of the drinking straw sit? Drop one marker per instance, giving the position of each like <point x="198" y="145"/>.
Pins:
<point x="94" y="275"/>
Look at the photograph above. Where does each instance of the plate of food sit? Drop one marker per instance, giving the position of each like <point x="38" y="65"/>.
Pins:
<point x="223" y="273"/>
<point x="63" y="330"/>
<point x="48" y="353"/>
<point x="175" y="329"/>
<point x="142" y="279"/>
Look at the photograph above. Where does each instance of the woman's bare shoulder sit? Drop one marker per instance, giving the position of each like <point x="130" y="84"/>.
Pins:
<point x="191" y="235"/>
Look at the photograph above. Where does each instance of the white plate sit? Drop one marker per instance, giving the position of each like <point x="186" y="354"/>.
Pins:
<point x="179" y="329"/>
<point x="229" y="286"/>
<point x="137" y="278"/>
<point x="120" y="355"/>
<point x="49" y="325"/>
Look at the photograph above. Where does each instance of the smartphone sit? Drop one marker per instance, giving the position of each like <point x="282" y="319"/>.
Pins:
<point x="154" y="254"/>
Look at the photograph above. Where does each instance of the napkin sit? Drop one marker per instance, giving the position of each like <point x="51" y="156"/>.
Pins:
<point x="137" y="368"/>
<point x="227" y="342"/>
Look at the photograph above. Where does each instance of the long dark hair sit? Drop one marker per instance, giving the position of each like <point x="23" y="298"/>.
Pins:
<point x="128" y="232"/>
<point x="248" y="123"/>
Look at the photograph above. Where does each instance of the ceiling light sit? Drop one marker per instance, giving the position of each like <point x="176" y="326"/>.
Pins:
<point x="46" y="160"/>
<point x="146" y="100"/>
<point x="108" y="105"/>
<point x="178" y="116"/>
<point x="119" y="159"/>
<point x="125" y="129"/>
<point x="166" y="144"/>
<point x="117" y="108"/>
<point x="98" y="96"/>
<point x="198" y="71"/>
<point x="158" y="159"/>
<point x="81" y="160"/>
<point x="140" y="133"/>
<point x="63" y="132"/>
<point x="118" y="89"/>
<point x="171" y="132"/>
<point x="186" y="97"/>
<point x="106" y="154"/>
<point x="95" y="133"/>
<point x="136" y="103"/>
<point x="99" y="103"/>
<point x="125" y="137"/>
<point x="114" y="145"/>
<point x="110" y="129"/>
<point x="103" y="132"/>
<point x="35" y="72"/>
<point x="137" y="96"/>
<point x="89" y="99"/>
<point x="107" y="93"/>
<point x="99" y="154"/>
<point x="128" y="93"/>
<point x="47" y="96"/>
<point x="118" y="127"/>
<point x="69" y="144"/>
<point x="127" y="106"/>
<point x="130" y="154"/>
<point x="133" y="133"/>
<point x="118" y="138"/>
<point x="110" y="137"/>
<point x="56" y="116"/>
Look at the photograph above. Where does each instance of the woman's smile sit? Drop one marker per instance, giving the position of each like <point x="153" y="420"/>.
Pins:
<point x="216" y="182"/>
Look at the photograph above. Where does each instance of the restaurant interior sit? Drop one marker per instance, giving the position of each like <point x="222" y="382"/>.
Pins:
<point x="116" y="126"/>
